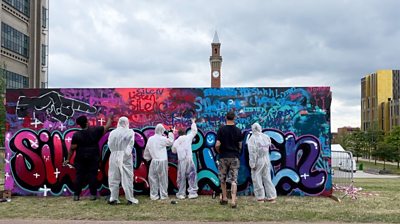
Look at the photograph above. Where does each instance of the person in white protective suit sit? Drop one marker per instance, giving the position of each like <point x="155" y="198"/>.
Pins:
<point x="258" y="145"/>
<point x="121" y="142"/>
<point x="156" y="151"/>
<point x="186" y="168"/>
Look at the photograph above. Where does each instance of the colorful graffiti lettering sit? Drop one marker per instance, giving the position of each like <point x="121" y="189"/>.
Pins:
<point x="296" y="119"/>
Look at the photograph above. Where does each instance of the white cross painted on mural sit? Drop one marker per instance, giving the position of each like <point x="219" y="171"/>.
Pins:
<point x="36" y="175"/>
<point x="6" y="175"/>
<point x="56" y="173"/>
<point x="36" y="121"/>
<point x="101" y="121"/>
<point x="68" y="139"/>
<point x="45" y="190"/>
<point x="46" y="158"/>
<point x="304" y="176"/>
<point x="62" y="127"/>
<point x="6" y="159"/>
<point x="34" y="144"/>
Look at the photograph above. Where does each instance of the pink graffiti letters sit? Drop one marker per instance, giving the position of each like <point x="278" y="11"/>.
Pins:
<point x="38" y="159"/>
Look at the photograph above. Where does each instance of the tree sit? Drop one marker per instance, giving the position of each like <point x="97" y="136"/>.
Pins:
<point x="394" y="139"/>
<point x="373" y="137"/>
<point x="355" y="142"/>
<point x="384" y="151"/>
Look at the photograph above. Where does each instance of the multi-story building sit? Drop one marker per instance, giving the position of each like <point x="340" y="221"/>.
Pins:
<point x="395" y="101"/>
<point x="341" y="132"/>
<point x="379" y="92"/>
<point x="24" y="43"/>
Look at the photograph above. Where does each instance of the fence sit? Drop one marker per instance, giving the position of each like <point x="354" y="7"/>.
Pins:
<point x="343" y="168"/>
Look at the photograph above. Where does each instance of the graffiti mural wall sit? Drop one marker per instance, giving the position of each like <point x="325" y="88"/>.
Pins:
<point x="40" y="125"/>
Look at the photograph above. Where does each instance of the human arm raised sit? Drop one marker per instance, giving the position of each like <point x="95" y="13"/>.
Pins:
<point x="109" y="122"/>
<point x="70" y="153"/>
<point x="193" y="129"/>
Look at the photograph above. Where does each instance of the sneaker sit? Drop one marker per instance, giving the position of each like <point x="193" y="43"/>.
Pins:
<point x="93" y="197"/>
<point x="114" y="202"/>
<point x="134" y="201"/>
<point x="164" y="198"/>
<point x="76" y="198"/>
<point x="193" y="196"/>
<point x="260" y="200"/>
<point x="154" y="198"/>
<point x="181" y="197"/>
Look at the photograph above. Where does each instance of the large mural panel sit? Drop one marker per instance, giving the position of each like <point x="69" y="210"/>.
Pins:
<point x="41" y="122"/>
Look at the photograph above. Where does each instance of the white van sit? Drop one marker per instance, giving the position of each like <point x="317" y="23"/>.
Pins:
<point x="348" y="166"/>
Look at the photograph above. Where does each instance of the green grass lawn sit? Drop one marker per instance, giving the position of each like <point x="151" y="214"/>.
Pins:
<point x="382" y="208"/>
<point x="371" y="165"/>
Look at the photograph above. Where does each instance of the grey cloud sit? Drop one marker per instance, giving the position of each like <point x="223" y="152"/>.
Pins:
<point x="166" y="43"/>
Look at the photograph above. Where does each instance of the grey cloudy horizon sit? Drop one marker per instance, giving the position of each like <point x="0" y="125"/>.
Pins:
<point x="130" y="43"/>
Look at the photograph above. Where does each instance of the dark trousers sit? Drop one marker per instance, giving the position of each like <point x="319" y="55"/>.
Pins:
<point x="86" y="173"/>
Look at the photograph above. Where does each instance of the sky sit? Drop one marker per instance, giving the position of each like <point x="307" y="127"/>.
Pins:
<point x="275" y="43"/>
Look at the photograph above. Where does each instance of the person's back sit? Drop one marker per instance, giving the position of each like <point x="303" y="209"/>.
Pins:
<point x="156" y="146"/>
<point x="183" y="145"/>
<point x="87" y="141"/>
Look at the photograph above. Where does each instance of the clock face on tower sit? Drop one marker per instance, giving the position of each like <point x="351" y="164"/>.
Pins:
<point x="215" y="74"/>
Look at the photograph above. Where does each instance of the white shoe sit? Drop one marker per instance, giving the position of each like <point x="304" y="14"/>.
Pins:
<point x="133" y="201"/>
<point x="181" y="197"/>
<point x="154" y="198"/>
<point x="193" y="196"/>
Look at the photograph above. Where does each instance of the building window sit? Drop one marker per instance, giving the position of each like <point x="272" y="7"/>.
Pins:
<point x="14" y="40"/>
<point x="44" y="55"/>
<point x="45" y="12"/>
<point x="15" y="81"/>
<point x="22" y="6"/>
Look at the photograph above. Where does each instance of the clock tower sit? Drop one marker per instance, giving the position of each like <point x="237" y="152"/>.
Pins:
<point x="215" y="62"/>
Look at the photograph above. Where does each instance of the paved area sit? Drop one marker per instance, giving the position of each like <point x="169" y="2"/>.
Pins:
<point x="362" y="174"/>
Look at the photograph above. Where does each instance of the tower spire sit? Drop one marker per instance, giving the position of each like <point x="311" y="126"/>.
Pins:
<point x="215" y="39"/>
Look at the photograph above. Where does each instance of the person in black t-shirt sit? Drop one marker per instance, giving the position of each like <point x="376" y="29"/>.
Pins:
<point x="228" y="145"/>
<point x="85" y="144"/>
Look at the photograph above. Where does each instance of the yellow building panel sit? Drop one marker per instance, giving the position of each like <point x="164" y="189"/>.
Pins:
<point x="384" y="85"/>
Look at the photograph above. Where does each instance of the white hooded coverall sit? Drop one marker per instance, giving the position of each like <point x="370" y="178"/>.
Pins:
<point x="156" y="151"/>
<point x="186" y="167"/>
<point x="120" y="143"/>
<point x="259" y="144"/>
